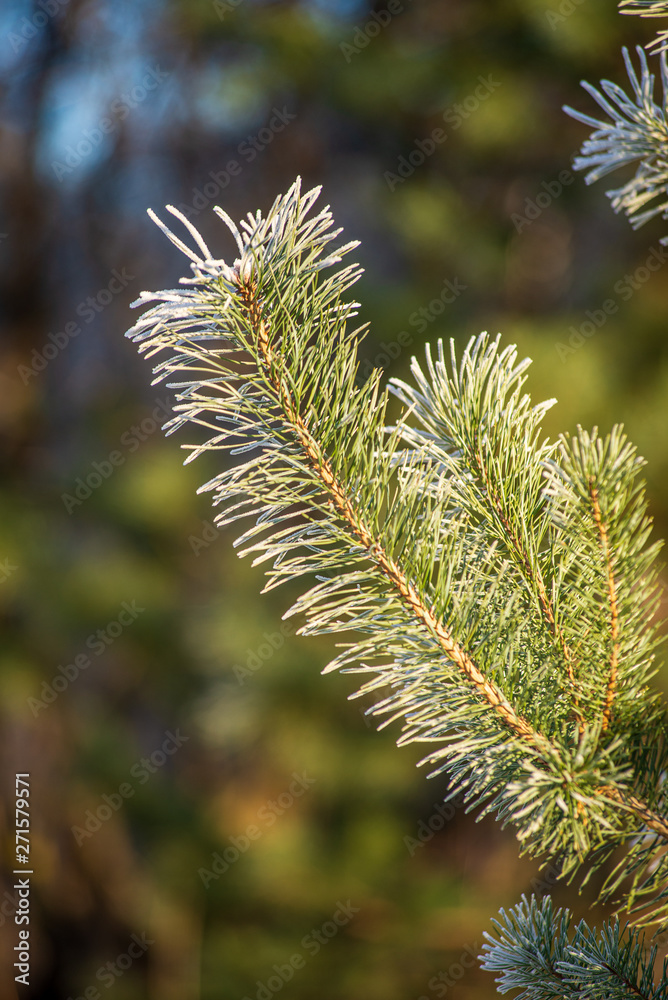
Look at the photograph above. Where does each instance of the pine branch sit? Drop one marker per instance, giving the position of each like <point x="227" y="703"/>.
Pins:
<point x="507" y="497"/>
<point x="361" y="531"/>
<point x="533" y="951"/>
<point x="648" y="8"/>
<point x="470" y="561"/>
<point x="614" y="613"/>
<point x="595" y="484"/>
<point x="637" y="132"/>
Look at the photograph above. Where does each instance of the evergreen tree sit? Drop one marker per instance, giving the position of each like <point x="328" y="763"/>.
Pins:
<point x="498" y="591"/>
<point x="637" y="131"/>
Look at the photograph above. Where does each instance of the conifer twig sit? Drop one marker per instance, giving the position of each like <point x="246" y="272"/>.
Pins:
<point x="388" y="566"/>
<point x="466" y="563"/>
<point x="533" y="575"/>
<point x="614" y="615"/>
<point x="397" y="578"/>
<point x="634" y="132"/>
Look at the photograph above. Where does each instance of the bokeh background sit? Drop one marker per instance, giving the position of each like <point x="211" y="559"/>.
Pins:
<point x="112" y="107"/>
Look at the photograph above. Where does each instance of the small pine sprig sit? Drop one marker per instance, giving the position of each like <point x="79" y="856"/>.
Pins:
<point x="533" y="951"/>
<point x="636" y="133"/>
<point x="497" y="588"/>
<point x="648" y="8"/>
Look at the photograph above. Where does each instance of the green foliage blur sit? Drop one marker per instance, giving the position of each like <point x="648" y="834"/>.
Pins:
<point x="159" y="703"/>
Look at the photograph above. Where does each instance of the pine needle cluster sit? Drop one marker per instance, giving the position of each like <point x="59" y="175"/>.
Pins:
<point x="648" y="8"/>
<point x="535" y="952"/>
<point x="496" y="592"/>
<point x="636" y="132"/>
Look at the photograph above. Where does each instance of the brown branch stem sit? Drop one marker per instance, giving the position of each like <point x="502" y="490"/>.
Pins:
<point x="323" y="468"/>
<point x="658" y="824"/>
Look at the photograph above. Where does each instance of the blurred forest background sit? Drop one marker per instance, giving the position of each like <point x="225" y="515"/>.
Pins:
<point x="112" y="107"/>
